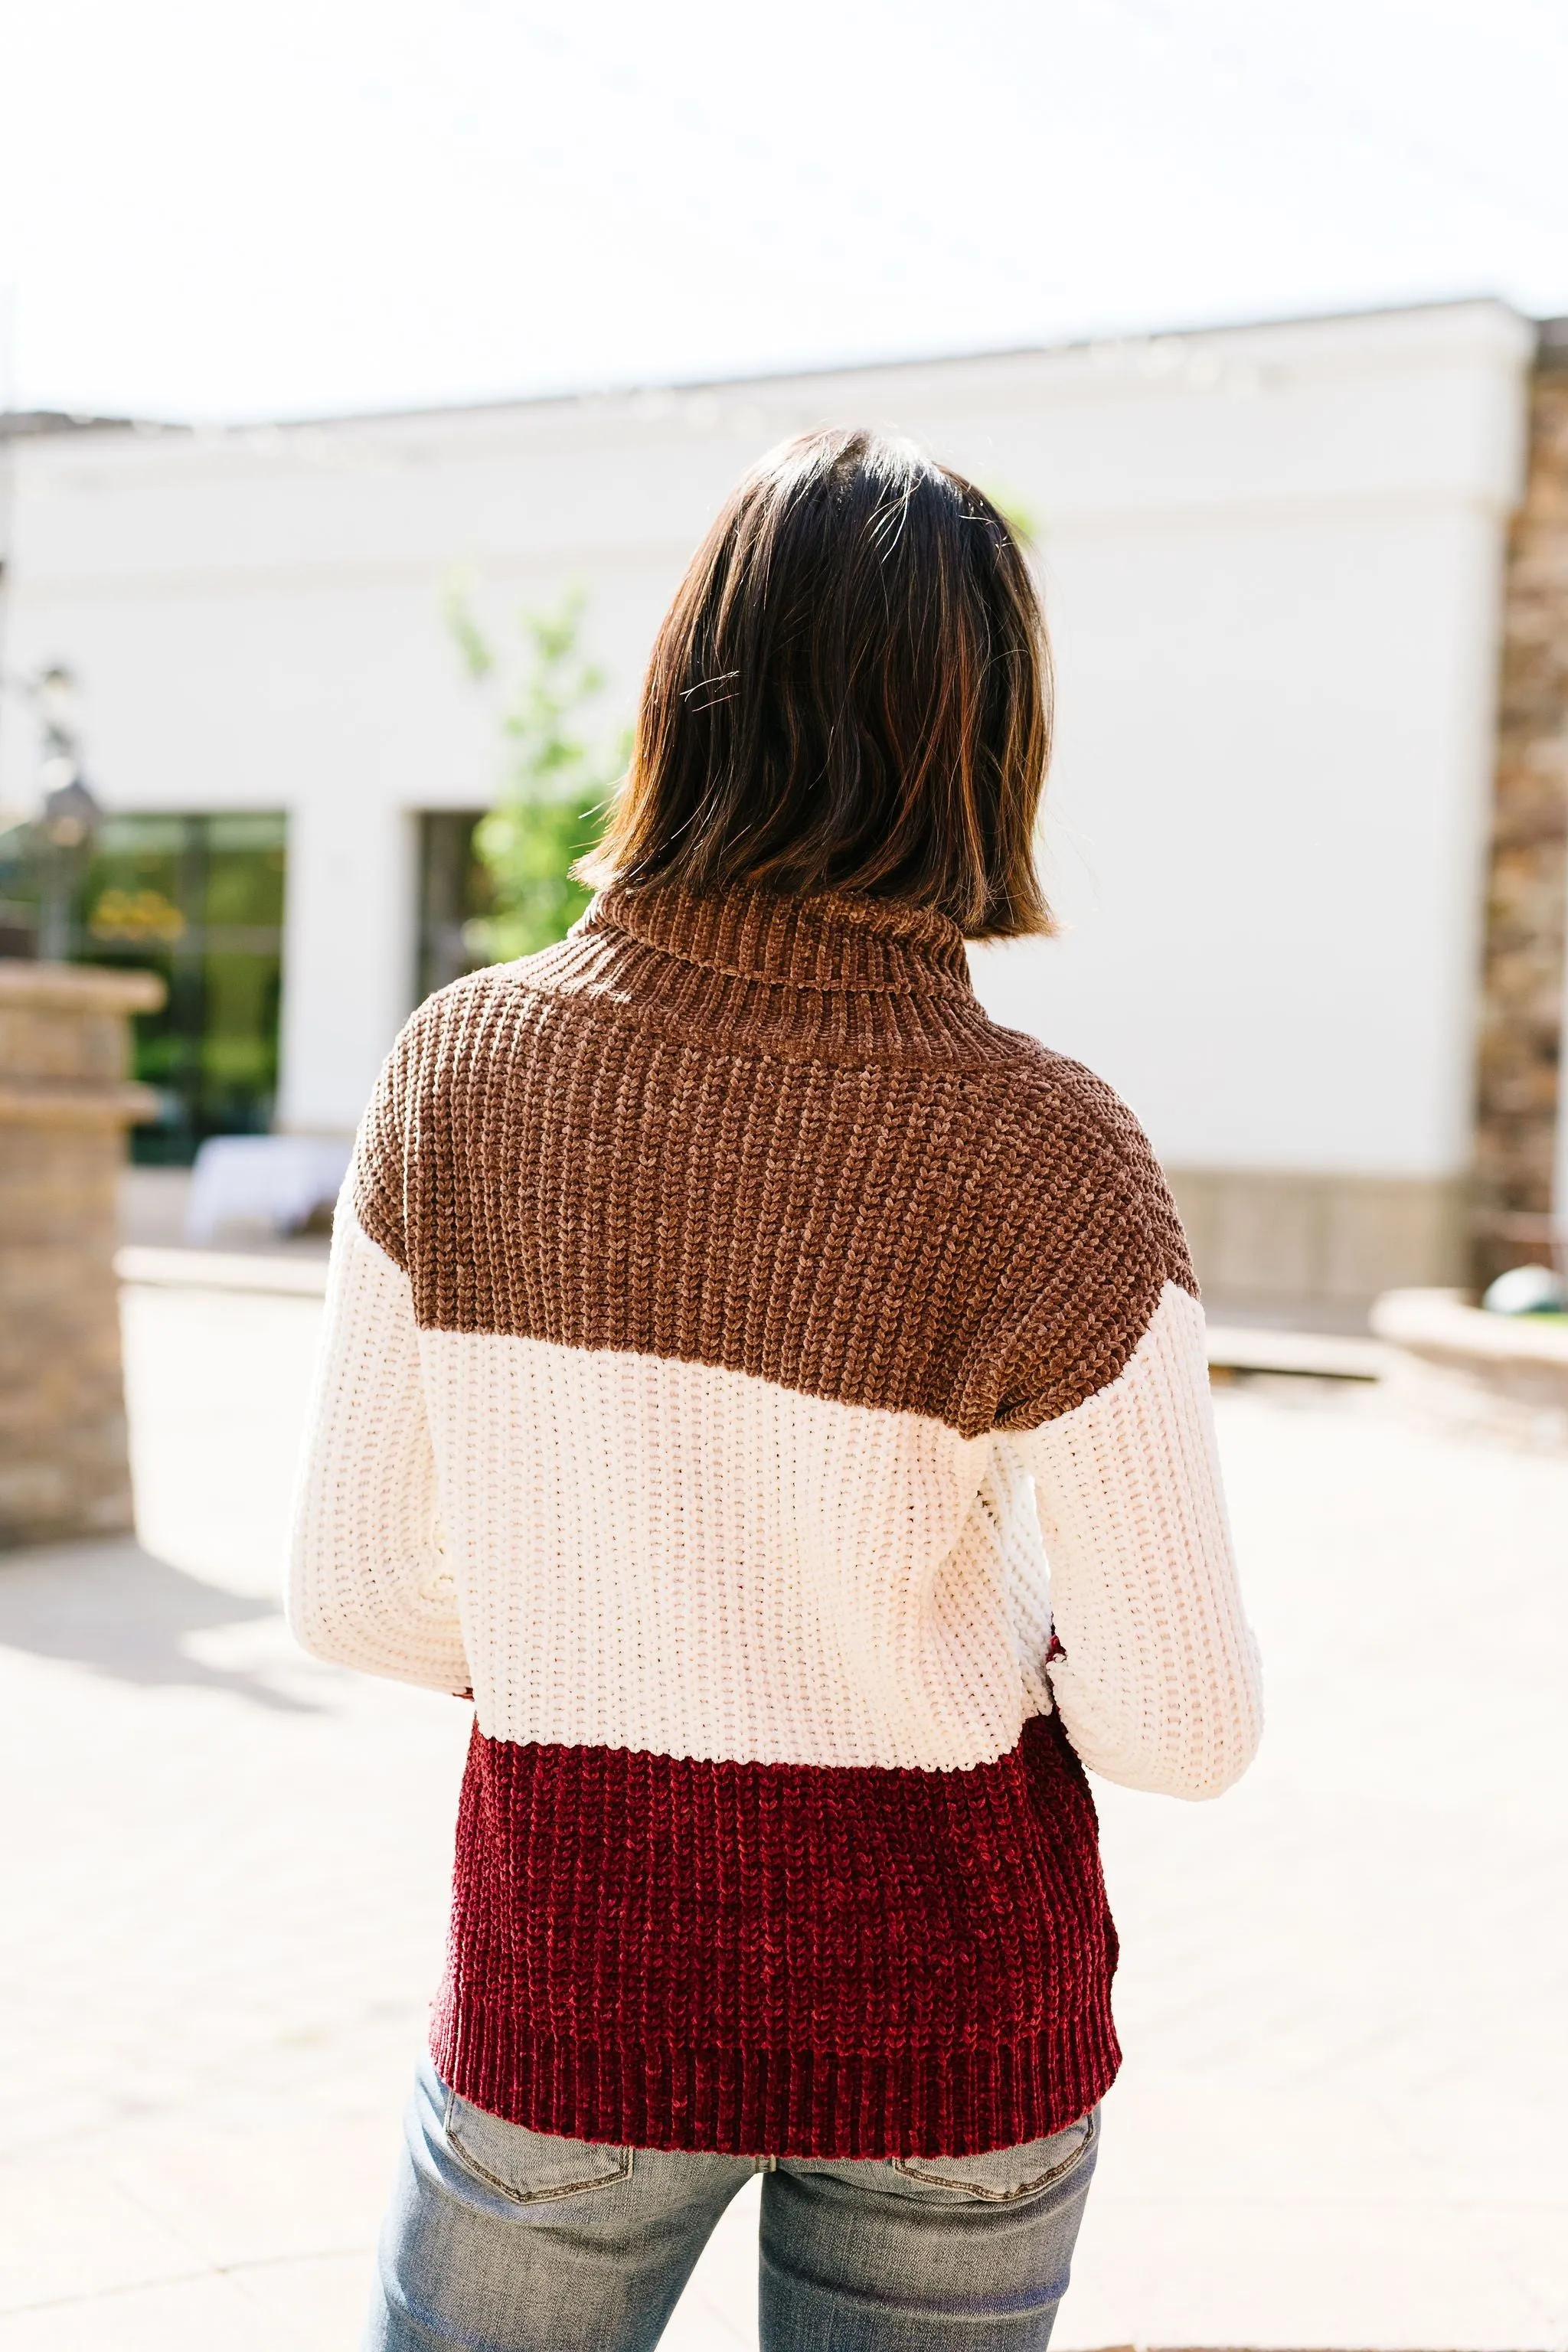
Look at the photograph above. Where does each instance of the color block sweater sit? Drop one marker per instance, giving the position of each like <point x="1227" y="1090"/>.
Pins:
<point x="778" y="1393"/>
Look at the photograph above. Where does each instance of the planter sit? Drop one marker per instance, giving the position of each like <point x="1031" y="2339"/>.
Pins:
<point x="65" y="1105"/>
<point x="1504" y="1374"/>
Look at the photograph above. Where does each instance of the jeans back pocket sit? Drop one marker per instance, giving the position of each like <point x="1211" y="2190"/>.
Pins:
<point x="529" y="2167"/>
<point x="1005" y="2174"/>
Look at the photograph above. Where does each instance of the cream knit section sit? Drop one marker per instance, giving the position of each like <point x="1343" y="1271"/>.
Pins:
<point x="692" y="1561"/>
<point x="368" y="1584"/>
<point x="648" y="1554"/>
<point x="1159" y="1684"/>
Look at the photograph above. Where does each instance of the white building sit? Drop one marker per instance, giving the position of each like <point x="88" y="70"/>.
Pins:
<point x="1272" y="558"/>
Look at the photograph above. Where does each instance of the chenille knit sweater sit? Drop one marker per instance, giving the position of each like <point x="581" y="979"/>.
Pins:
<point x="779" y="1394"/>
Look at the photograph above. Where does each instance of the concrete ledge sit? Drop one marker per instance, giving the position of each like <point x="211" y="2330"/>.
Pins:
<point x="1323" y="1355"/>
<point x="43" y="1103"/>
<point x="1505" y="1374"/>
<point x="195" y="1269"/>
<point x="77" y="988"/>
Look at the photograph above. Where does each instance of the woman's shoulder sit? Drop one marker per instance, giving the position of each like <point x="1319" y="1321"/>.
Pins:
<point x="1084" y="1185"/>
<point x="1053" y="1100"/>
<point x="480" y="1009"/>
<point x="491" y="983"/>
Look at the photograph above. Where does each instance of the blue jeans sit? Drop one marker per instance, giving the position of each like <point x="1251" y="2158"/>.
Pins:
<point x="503" y="2240"/>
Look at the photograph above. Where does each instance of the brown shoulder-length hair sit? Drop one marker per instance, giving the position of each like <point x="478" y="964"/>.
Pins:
<point x="851" y="691"/>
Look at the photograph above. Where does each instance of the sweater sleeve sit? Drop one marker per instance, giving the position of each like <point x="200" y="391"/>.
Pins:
<point x="369" y="1585"/>
<point x="1153" y="1667"/>
<point x="1157" y="1675"/>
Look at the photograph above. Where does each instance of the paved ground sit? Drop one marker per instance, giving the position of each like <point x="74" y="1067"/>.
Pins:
<point x="1343" y="1994"/>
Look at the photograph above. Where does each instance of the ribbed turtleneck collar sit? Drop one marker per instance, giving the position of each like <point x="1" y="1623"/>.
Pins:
<point x="830" y="977"/>
<point x="832" y="941"/>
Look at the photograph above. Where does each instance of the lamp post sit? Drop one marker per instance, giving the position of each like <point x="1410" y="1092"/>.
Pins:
<point x="59" y="839"/>
<point x="68" y="817"/>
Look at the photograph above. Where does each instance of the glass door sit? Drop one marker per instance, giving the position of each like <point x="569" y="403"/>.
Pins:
<point x="199" y="899"/>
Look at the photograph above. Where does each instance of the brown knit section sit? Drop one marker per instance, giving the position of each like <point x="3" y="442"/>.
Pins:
<point x="384" y="1138"/>
<point x="778" y="1136"/>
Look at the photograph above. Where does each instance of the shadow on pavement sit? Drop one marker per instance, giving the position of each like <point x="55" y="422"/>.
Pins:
<point x="112" y="1607"/>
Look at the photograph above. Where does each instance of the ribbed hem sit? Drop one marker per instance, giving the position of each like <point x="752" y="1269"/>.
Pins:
<point x="779" y="1960"/>
<point x="779" y="2102"/>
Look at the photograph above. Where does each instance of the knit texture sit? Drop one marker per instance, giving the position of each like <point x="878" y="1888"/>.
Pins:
<point x="780" y="1395"/>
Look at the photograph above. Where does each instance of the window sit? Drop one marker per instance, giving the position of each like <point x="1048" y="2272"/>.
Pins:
<point x="453" y="888"/>
<point x="198" y="899"/>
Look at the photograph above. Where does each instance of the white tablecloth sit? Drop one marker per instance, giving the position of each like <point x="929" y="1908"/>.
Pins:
<point x="278" y="1179"/>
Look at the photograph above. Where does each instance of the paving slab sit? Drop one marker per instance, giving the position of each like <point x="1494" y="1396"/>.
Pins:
<point x="225" y="1866"/>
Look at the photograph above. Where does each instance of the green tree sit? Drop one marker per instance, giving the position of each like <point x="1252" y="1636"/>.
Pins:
<point x="1018" y="517"/>
<point x="555" y="784"/>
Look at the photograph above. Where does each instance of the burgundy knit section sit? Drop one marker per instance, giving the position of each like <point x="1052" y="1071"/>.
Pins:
<point x="761" y="1959"/>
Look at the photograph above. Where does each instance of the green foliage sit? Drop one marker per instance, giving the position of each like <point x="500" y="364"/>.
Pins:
<point x="1019" y="519"/>
<point x="555" y="784"/>
<point x="529" y="847"/>
<point x="478" y="658"/>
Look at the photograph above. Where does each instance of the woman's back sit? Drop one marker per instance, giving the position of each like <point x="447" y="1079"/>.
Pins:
<point x="740" y="1270"/>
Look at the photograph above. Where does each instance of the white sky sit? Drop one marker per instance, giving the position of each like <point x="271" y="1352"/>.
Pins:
<point x="213" y="209"/>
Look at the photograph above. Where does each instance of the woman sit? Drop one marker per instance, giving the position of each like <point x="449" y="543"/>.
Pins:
<point x="727" y="1324"/>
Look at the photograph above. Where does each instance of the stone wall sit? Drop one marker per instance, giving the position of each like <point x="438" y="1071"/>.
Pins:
<point x="65" y="1105"/>
<point x="1523" y="999"/>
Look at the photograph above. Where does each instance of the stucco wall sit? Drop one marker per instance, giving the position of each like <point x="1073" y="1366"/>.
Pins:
<point x="1272" y="562"/>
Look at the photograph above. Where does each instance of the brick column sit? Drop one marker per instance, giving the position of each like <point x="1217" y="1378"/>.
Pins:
<point x="65" y="1104"/>
<point x="1522" y="1001"/>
